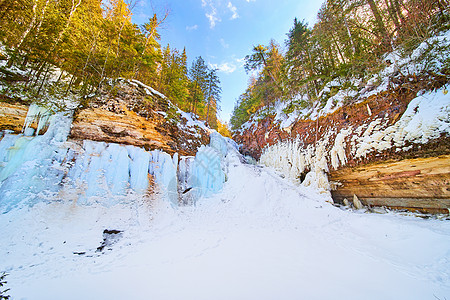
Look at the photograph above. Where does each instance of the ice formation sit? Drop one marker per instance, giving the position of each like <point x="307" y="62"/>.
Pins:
<point x="36" y="114"/>
<point x="291" y="159"/>
<point x="50" y="168"/>
<point x="426" y="118"/>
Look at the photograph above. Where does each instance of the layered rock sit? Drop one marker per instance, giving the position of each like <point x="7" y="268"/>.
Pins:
<point x="421" y="184"/>
<point x="134" y="114"/>
<point x="12" y="116"/>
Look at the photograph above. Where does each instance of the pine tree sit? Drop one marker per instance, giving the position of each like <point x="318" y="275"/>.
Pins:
<point x="213" y="94"/>
<point x="198" y="74"/>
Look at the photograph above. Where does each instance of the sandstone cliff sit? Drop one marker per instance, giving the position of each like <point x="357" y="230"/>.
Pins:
<point x="132" y="113"/>
<point x="126" y="112"/>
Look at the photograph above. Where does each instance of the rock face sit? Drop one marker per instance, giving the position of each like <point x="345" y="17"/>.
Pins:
<point x="12" y="116"/>
<point x="369" y="135"/>
<point x="128" y="128"/>
<point x="131" y="113"/>
<point x="421" y="184"/>
<point x="388" y="106"/>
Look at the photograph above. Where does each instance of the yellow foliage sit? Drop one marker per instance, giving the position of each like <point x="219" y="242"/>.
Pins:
<point x="223" y="129"/>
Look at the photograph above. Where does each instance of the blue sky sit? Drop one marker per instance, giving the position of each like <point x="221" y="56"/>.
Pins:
<point x="223" y="32"/>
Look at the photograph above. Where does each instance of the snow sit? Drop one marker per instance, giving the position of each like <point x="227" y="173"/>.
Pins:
<point x="191" y="121"/>
<point x="259" y="238"/>
<point x="148" y="89"/>
<point x="427" y="117"/>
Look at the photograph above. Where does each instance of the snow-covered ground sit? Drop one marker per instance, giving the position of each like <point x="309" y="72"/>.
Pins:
<point x="260" y="237"/>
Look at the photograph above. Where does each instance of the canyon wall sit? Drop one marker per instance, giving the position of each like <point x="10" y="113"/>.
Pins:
<point x="389" y="149"/>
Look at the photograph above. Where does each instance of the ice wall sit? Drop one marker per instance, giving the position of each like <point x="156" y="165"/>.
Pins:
<point x="50" y="168"/>
<point x="205" y="174"/>
<point x="32" y="167"/>
<point x="293" y="160"/>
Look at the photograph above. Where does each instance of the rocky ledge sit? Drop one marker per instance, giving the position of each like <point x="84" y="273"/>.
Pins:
<point x="131" y="113"/>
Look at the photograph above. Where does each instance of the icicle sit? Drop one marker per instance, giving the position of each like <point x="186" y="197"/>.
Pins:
<point x="36" y="114"/>
<point x="369" y="111"/>
<point x="356" y="202"/>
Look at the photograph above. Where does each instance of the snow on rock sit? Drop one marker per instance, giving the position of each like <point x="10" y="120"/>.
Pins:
<point x="149" y="90"/>
<point x="426" y="118"/>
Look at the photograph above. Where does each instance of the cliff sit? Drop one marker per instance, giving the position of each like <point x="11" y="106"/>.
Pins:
<point x="126" y="112"/>
<point x="134" y="114"/>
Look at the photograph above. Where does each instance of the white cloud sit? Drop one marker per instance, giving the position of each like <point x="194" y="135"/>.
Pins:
<point x="233" y="9"/>
<point x="230" y="66"/>
<point x="240" y="61"/>
<point x="223" y="43"/>
<point x="211" y="12"/>
<point x="193" y="27"/>
<point x="226" y="67"/>
<point x="212" y="18"/>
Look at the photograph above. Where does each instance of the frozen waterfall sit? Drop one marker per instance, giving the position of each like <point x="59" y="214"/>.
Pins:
<point x="50" y="168"/>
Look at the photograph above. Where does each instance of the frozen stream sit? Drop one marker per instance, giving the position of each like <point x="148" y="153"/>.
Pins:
<point x="247" y="233"/>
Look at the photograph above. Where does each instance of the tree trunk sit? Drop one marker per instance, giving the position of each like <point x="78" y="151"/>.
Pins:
<point x="104" y="67"/>
<point x="311" y="71"/>
<point x="397" y="4"/>
<point x="94" y="45"/>
<point x="69" y="20"/>
<point x="118" y="38"/>
<point x="349" y="34"/>
<point x="209" y="96"/>
<point x="43" y="80"/>
<point x="207" y="111"/>
<point x="393" y="15"/>
<point x="194" y="99"/>
<point x="385" y="40"/>
<point x="70" y="84"/>
<point x="41" y="19"/>
<point x="30" y="26"/>
<point x="338" y="49"/>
